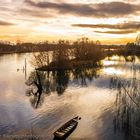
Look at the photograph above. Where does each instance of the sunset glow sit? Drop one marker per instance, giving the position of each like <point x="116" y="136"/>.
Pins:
<point x="111" y="22"/>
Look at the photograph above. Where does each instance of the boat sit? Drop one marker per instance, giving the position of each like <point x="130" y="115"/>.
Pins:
<point x="65" y="130"/>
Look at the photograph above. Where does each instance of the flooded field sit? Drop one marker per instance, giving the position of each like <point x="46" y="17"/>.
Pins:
<point x="95" y="94"/>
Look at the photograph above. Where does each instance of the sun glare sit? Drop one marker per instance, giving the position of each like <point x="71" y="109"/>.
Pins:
<point x="112" y="71"/>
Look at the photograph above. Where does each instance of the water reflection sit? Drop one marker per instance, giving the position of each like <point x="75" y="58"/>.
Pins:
<point x="36" y="80"/>
<point x="54" y="97"/>
<point x="127" y="109"/>
<point x="42" y="83"/>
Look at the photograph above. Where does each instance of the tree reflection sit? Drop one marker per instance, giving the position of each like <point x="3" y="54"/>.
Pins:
<point x="83" y="75"/>
<point x="62" y="79"/>
<point x="43" y="83"/>
<point x="36" y="82"/>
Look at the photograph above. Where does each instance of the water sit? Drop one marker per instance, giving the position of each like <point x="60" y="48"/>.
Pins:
<point x="86" y="93"/>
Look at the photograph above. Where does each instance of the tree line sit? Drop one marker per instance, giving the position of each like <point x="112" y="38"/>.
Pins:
<point x="7" y="47"/>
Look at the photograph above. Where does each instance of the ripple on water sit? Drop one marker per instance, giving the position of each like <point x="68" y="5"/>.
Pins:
<point x="7" y="120"/>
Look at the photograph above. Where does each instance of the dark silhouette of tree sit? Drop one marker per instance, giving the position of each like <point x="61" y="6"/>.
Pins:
<point x="61" y="55"/>
<point x="87" y="50"/>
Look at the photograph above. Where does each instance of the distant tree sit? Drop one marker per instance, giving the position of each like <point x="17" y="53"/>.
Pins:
<point x="130" y="45"/>
<point x="98" y="42"/>
<point x="86" y="49"/>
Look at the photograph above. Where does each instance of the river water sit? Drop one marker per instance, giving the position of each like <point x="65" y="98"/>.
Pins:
<point x="86" y="93"/>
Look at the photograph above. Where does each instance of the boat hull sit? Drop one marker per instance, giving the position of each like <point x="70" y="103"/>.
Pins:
<point x="65" y="130"/>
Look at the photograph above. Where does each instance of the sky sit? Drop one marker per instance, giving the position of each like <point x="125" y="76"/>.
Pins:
<point x="110" y="21"/>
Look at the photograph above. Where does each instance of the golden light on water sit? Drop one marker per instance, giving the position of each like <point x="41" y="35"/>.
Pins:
<point x="112" y="71"/>
<point x="108" y="63"/>
<point x="111" y="65"/>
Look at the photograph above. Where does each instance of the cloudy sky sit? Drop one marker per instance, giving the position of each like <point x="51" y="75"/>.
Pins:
<point x="109" y="21"/>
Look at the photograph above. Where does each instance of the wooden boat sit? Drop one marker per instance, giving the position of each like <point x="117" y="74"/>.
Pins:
<point x="65" y="130"/>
